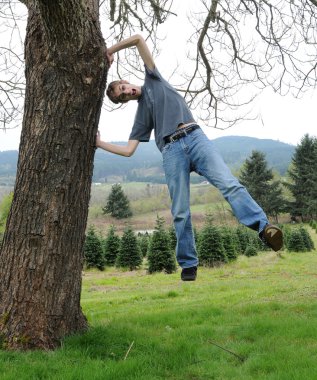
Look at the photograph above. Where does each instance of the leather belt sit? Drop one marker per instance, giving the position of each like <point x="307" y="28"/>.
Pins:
<point x="182" y="132"/>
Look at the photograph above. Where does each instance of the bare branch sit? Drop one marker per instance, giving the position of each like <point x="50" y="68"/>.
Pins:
<point x="134" y="16"/>
<point x="12" y="82"/>
<point x="245" y="46"/>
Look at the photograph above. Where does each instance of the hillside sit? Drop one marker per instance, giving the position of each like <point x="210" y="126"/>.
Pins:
<point x="146" y="163"/>
<point x="236" y="149"/>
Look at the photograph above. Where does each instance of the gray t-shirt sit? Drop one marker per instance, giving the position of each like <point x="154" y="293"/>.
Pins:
<point x="160" y="107"/>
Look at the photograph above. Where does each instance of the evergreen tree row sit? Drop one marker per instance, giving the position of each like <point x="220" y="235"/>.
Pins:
<point x="216" y="245"/>
<point x="130" y="250"/>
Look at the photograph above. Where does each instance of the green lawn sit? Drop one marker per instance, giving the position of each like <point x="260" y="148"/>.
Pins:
<point x="252" y="319"/>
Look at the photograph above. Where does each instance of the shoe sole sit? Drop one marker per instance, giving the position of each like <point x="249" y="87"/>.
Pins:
<point x="189" y="274"/>
<point x="188" y="278"/>
<point x="273" y="237"/>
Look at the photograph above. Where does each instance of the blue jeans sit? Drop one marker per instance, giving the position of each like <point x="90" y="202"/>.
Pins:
<point x="195" y="152"/>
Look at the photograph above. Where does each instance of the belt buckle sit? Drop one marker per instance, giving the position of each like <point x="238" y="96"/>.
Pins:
<point x="175" y="137"/>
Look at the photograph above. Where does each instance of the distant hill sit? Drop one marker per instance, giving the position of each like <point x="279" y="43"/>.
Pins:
<point x="8" y="165"/>
<point x="236" y="149"/>
<point x="146" y="163"/>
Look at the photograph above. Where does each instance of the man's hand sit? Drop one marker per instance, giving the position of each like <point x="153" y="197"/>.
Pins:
<point x="98" y="140"/>
<point x="109" y="58"/>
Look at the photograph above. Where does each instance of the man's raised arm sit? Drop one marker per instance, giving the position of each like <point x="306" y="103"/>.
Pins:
<point x="140" y="44"/>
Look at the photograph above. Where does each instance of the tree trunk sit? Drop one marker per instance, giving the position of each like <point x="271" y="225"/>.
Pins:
<point x="41" y="256"/>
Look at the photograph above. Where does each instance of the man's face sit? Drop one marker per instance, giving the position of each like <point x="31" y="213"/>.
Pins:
<point x="125" y="91"/>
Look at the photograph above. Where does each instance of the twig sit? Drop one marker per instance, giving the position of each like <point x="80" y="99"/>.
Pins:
<point x="241" y="358"/>
<point x="126" y="355"/>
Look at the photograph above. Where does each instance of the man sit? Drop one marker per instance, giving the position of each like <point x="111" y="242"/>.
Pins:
<point x="185" y="148"/>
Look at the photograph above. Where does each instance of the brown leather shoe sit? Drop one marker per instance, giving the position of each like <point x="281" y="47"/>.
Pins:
<point x="272" y="236"/>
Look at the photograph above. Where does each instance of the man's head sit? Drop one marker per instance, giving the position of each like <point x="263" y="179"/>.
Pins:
<point x="121" y="91"/>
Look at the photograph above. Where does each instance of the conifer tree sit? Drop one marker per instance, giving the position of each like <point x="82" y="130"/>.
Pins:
<point x="258" y="179"/>
<point x="286" y="234"/>
<point x="295" y="241"/>
<point x="196" y="235"/>
<point x="312" y="208"/>
<point x="255" y="175"/>
<point x="129" y="255"/>
<point x="161" y="257"/>
<point x="251" y="250"/>
<point x="243" y="238"/>
<point x="228" y="241"/>
<point x="275" y="202"/>
<point x="144" y="241"/>
<point x="118" y="204"/>
<point x="211" y="251"/>
<point x="308" y="242"/>
<point x="111" y="246"/>
<point x="172" y="238"/>
<point x="94" y="256"/>
<point x="303" y="180"/>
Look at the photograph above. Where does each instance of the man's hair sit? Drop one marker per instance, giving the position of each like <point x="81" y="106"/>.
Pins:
<point x="110" y="92"/>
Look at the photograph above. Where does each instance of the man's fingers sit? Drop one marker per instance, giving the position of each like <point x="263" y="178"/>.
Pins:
<point x="110" y="58"/>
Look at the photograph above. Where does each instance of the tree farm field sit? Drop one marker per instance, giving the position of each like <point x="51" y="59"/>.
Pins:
<point x="149" y="200"/>
<point x="255" y="318"/>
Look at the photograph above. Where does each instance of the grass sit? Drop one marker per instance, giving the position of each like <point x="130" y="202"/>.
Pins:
<point x="252" y="319"/>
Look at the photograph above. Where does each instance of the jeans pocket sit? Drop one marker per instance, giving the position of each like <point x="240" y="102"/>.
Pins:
<point x="166" y="148"/>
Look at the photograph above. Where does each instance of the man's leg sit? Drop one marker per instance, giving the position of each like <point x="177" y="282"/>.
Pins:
<point x="209" y="163"/>
<point x="177" y="171"/>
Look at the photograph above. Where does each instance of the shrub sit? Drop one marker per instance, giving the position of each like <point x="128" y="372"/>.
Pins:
<point x="161" y="257"/>
<point x="172" y="238"/>
<point x="251" y="250"/>
<point x="243" y="239"/>
<point x="229" y="243"/>
<point x="111" y="246"/>
<point x="94" y="257"/>
<point x="308" y="242"/>
<point x="286" y="235"/>
<point x="129" y="255"/>
<point x="247" y="237"/>
<point x="211" y="251"/>
<point x="144" y="241"/>
<point x="298" y="239"/>
<point x="295" y="241"/>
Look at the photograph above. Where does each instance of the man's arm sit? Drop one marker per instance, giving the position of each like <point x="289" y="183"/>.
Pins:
<point x="140" y="44"/>
<point x="122" y="150"/>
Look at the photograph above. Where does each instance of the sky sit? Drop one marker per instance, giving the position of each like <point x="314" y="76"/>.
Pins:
<point x="282" y="118"/>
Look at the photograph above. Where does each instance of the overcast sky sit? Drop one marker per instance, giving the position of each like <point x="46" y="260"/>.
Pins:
<point x="280" y="118"/>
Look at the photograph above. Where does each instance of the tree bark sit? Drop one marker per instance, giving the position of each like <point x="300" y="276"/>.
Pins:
<point x="41" y="257"/>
